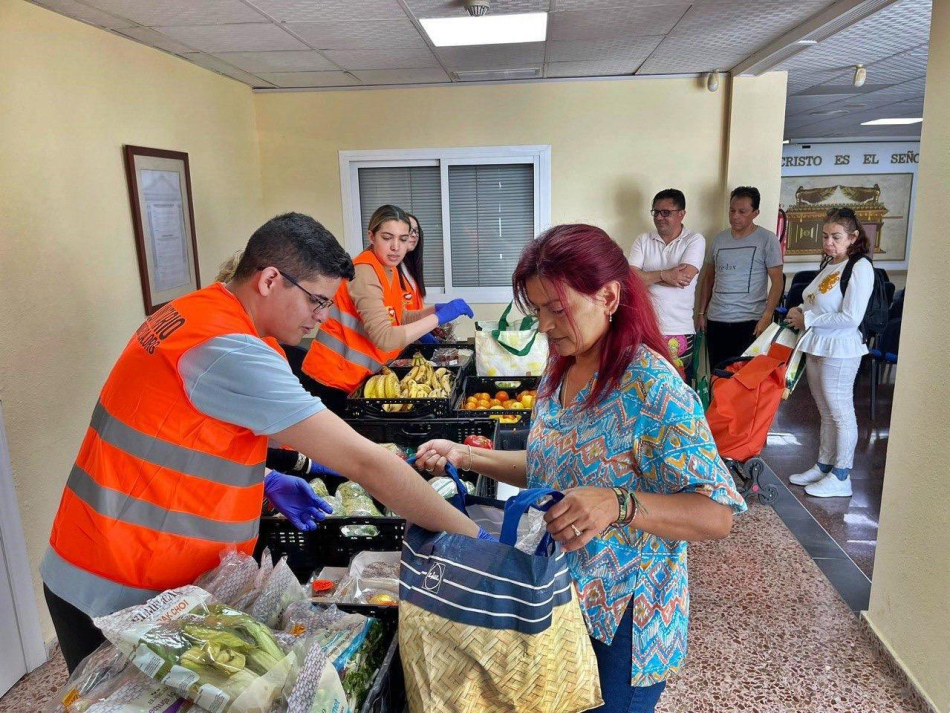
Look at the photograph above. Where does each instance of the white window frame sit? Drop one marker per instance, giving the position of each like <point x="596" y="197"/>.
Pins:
<point x="538" y="156"/>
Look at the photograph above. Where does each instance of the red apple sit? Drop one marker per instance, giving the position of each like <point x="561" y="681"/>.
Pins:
<point x="478" y="442"/>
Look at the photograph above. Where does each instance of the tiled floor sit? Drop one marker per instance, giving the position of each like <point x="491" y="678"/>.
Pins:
<point x="769" y="633"/>
<point x="793" y="447"/>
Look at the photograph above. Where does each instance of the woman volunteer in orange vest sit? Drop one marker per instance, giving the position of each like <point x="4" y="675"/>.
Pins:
<point x="368" y="324"/>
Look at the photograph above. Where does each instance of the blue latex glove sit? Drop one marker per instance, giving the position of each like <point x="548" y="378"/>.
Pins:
<point x="293" y="498"/>
<point x="316" y="470"/>
<point x="482" y="535"/>
<point x="428" y="339"/>
<point x="447" y="311"/>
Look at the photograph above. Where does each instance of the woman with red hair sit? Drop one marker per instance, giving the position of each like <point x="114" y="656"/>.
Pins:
<point x="619" y="432"/>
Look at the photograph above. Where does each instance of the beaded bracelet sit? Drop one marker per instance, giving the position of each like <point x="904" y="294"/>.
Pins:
<point x="621" y="504"/>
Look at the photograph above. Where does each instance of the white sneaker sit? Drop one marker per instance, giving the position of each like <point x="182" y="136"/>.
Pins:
<point x="830" y="487"/>
<point x="812" y="475"/>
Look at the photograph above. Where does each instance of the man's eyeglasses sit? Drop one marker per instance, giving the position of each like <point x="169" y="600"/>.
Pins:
<point x="318" y="302"/>
<point x="664" y="213"/>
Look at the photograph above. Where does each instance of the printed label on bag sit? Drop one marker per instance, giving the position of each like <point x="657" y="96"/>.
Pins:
<point x="147" y="661"/>
<point x="180" y="679"/>
<point x="212" y="699"/>
<point x="433" y="578"/>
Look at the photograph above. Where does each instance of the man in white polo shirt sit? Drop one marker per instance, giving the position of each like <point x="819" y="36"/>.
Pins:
<point x="668" y="261"/>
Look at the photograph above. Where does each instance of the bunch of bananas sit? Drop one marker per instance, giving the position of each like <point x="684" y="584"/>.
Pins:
<point x="385" y="385"/>
<point x="422" y="382"/>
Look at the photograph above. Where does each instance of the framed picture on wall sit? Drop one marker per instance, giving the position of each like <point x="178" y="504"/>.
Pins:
<point x="163" y="219"/>
<point x="881" y="201"/>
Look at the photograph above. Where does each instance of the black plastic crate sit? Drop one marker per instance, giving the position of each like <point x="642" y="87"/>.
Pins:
<point x="492" y="385"/>
<point x="388" y="694"/>
<point x="412" y="434"/>
<point x="330" y="545"/>
<point x="357" y="406"/>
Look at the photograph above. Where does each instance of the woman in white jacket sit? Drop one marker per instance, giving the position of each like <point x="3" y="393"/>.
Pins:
<point x="832" y="314"/>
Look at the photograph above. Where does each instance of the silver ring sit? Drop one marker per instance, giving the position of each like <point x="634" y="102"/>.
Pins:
<point x="577" y="533"/>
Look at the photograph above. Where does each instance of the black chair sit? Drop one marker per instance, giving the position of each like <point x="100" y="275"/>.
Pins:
<point x="884" y="357"/>
<point x="794" y="296"/>
<point x="896" y="310"/>
<point x="804" y="277"/>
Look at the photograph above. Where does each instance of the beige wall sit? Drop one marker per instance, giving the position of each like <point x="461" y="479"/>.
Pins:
<point x="910" y="595"/>
<point x="614" y="144"/>
<point x="70" y="297"/>
<point x="754" y="142"/>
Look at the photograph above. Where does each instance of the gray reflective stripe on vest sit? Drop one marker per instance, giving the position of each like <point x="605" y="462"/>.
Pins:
<point x="348" y="321"/>
<point x="125" y="508"/>
<point x="353" y="356"/>
<point x="88" y="592"/>
<point x="168" y="455"/>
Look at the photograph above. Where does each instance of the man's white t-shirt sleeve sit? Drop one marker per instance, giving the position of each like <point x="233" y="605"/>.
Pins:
<point x="239" y="379"/>
<point x="636" y="253"/>
<point x="695" y="253"/>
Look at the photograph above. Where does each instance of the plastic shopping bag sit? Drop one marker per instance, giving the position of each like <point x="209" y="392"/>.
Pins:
<point x="505" y="349"/>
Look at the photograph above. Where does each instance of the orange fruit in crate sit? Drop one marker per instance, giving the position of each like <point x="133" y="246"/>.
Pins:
<point x="484" y="396"/>
<point x="471" y="406"/>
<point x="483" y="405"/>
<point x="502" y="396"/>
<point x="495" y="402"/>
<point x="510" y="402"/>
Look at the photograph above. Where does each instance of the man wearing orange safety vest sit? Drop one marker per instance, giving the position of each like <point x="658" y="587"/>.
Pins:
<point x="171" y="470"/>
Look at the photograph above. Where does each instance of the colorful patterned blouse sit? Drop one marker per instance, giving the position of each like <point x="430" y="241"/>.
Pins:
<point x="651" y="435"/>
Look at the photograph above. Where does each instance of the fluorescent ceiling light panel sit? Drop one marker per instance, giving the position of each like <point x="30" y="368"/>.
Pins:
<point x="890" y="122"/>
<point x="487" y="30"/>
<point x="785" y="142"/>
<point x="807" y="42"/>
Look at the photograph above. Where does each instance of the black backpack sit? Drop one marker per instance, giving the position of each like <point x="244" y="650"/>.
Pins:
<point x="876" y="314"/>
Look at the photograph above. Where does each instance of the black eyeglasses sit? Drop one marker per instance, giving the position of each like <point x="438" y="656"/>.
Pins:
<point x="664" y="213"/>
<point x="318" y="302"/>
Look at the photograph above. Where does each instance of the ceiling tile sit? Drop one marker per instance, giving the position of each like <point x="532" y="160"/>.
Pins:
<point x="627" y="50"/>
<point x="234" y="38"/>
<point x="286" y="61"/>
<point x="213" y="63"/>
<point x="513" y="56"/>
<point x="330" y="10"/>
<point x="155" y="39"/>
<point x="402" y="76"/>
<point x="85" y="13"/>
<point x="383" y="59"/>
<point x="607" y="24"/>
<point x="676" y="55"/>
<point x="309" y="79"/>
<point x="362" y="35"/>
<point x="454" y="8"/>
<point x="594" y="68"/>
<point x="747" y="21"/>
<point x="181" y="12"/>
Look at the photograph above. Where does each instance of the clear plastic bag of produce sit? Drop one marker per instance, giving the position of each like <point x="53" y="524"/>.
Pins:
<point x="107" y="682"/>
<point x="446" y="486"/>
<point x="279" y="591"/>
<point x="234" y="579"/>
<point x="356" y="501"/>
<point x="221" y="658"/>
<point x="319" y="488"/>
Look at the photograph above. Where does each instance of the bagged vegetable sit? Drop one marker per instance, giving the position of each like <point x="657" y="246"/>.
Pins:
<point x="107" y="682"/>
<point x="319" y="488"/>
<point x="214" y="655"/>
<point x="279" y="591"/>
<point x="232" y="580"/>
<point x="356" y="501"/>
<point x="354" y="645"/>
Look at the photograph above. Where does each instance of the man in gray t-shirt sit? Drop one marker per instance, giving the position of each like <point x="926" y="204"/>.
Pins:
<point x="736" y="301"/>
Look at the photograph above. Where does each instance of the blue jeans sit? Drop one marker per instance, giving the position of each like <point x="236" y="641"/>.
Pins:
<point x="614" y="664"/>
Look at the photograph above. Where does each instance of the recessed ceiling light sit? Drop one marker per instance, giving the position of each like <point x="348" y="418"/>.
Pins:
<point x="890" y="122"/>
<point x="785" y="141"/>
<point x="487" y="30"/>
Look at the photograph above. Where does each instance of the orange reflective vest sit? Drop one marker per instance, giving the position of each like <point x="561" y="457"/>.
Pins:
<point x="159" y="489"/>
<point x="342" y="354"/>
<point x="412" y="297"/>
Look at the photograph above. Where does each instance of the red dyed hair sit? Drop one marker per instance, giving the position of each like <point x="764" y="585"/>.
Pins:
<point x="585" y="258"/>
